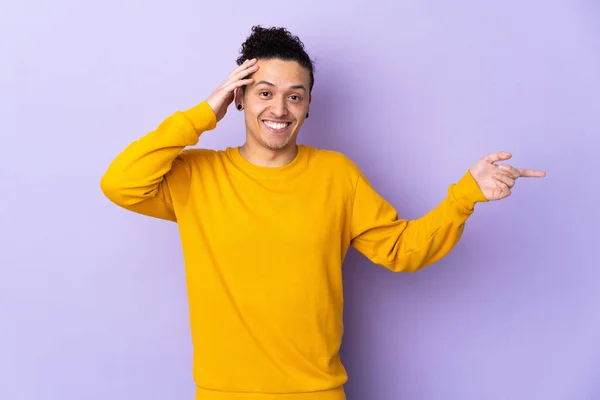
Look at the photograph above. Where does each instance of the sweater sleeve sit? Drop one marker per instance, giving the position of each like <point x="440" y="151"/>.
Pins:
<point x="143" y="177"/>
<point x="408" y="245"/>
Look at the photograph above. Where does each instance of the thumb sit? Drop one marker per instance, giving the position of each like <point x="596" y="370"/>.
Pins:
<point x="495" y="157"/>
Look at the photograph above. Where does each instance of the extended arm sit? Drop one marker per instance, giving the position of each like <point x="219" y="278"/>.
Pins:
<point x="408" y="245"/>
<point x="403" y="245"/>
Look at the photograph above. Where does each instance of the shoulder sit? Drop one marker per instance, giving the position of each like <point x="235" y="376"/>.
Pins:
<point x="199" y="160"/>
<point x="334" y="162"/>
<point x="200" y="155"/>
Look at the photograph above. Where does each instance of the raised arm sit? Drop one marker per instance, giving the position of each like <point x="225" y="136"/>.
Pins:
<point x="143" y="177"/>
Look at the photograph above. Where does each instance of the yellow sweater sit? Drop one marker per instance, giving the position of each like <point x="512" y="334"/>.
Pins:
<point x="263" y="250"/>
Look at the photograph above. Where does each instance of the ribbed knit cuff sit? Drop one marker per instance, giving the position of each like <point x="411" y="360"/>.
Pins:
<point x="467" y="193"/>
<point x="202" y="117"/>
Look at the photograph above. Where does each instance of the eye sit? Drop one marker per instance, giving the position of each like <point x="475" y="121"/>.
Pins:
<point x="264" y="94"/>
<point x="295" y="97"/>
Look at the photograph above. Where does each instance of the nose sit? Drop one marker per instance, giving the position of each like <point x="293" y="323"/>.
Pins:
<point x="279" y="107"/>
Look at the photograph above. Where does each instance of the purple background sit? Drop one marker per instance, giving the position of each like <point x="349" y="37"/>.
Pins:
<point x="92" y="297"/>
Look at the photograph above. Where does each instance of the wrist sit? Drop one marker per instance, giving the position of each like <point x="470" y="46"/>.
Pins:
<point x="202" y="116"/>
<point x="467" y="192"/>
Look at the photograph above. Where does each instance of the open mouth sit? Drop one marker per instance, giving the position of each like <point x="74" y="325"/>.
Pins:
<point x="275" y="126"/>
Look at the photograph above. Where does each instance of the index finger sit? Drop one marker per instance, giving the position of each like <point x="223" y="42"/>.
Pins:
<point x="246" y="64"/>
<point x="531" y="173"/>
<point x="241" y="74"/>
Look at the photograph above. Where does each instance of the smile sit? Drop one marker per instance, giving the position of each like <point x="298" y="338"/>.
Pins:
<point x="276" y="126"/>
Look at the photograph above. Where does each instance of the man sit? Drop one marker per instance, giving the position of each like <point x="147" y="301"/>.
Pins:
<point x="265" y="227"/>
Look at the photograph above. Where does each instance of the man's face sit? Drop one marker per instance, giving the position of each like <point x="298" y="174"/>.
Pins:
<point x="276" y="103"/>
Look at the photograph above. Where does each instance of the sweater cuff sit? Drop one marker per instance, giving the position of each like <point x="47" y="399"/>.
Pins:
<point x="202" y="117"/>
<point x="467" y="193"/>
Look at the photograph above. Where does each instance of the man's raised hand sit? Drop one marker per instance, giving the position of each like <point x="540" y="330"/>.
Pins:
<point x="223" y="96"/>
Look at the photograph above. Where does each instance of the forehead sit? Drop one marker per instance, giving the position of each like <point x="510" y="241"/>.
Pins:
<point x="281" y="73"/>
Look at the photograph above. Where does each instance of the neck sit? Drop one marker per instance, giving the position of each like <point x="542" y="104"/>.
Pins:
<point x="264" y="157"/>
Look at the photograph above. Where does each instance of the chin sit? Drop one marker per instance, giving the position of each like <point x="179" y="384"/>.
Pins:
<point x="276" y="145"/>
<point x="277" y="140"/>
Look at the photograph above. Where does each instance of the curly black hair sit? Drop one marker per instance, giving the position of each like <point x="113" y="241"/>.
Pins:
<point x="276" y="43"/>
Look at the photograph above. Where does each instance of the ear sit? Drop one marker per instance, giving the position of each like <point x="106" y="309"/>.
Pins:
<point x="239" y="97"/>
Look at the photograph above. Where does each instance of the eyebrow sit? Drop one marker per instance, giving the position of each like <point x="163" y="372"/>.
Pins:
<point x="272" y="85"/>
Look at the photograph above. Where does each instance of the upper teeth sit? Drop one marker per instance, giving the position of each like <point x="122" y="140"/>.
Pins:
<point x="276" y="125"/>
